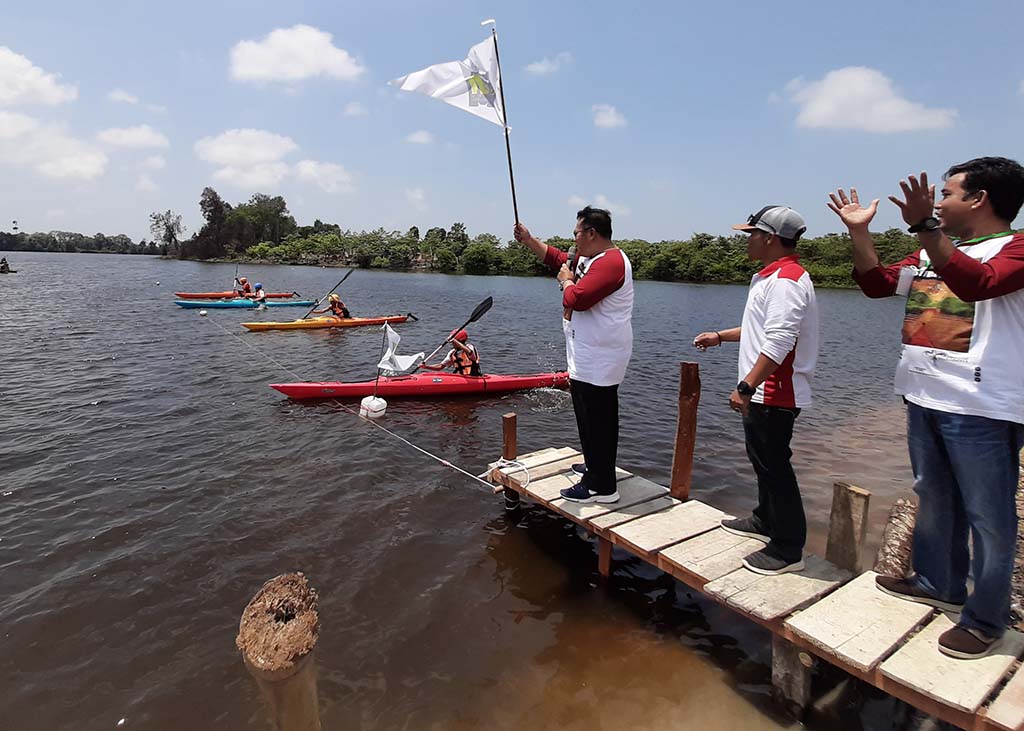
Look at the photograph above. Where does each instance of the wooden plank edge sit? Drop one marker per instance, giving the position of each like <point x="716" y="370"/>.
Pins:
<point x="652" y="556"/>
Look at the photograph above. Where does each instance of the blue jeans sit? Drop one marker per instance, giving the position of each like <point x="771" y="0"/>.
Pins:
<point x="965" y="476"/>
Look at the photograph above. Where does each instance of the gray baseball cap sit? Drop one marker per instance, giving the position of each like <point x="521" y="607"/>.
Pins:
<point x="779" y="220"/>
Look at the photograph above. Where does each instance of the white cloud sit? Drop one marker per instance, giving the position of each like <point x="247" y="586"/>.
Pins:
<point x="329" y="176"/>
<point x="600" y="200"/>
<point x="606" y="116"/>
<point x="261" y="175"/>
<point x="125" y="97"/>
<point x="153" y="162"/>
<point x="14" y="125"/>
<point x="861" y="98"/>
<point x="244" y="147"/>
<point x="146" y="184"/>
<point x="549" y="65"/>
<point x="47" y="148"/>
<point x="292" y="54"/>
<point x="420" y="137"/>
<point x="416" y="198"/>
<point x="122" y="96"/>
<point x="22" y="82"/>
<point x="355" y="109"/>
<point x="135" y="137"/>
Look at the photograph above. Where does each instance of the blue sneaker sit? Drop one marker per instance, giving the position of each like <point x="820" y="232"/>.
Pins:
<point x="580" y="493"/>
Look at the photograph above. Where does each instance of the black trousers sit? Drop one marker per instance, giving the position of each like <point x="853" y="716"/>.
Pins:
<point x="597" y="418"/>
<point x="780" y="509"/>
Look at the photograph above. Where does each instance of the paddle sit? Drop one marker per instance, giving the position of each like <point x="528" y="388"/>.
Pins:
<point x="328" y="293"/>
<point x="480" y="311"/>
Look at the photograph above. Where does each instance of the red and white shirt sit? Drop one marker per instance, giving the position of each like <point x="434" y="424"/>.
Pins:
<point x="780" y="321"/>
<point x="963" y="331"/>
<point x="599" y="337"/>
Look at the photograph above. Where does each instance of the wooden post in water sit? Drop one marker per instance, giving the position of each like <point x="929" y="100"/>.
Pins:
<point x="276" y="635"/>
<point x="847" y="526"/>
<point x="509" y="450"/>
<point x="686" y="431"/>
<point x="893" y="557"/>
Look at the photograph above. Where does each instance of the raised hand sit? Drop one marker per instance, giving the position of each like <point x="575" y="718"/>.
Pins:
<point x="850" y="210"/>
<point x="521" y="233"/>
<point x="920" y="199"/>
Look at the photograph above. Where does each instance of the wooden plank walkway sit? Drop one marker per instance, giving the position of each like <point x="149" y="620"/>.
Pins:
<point x="824" y="610"/>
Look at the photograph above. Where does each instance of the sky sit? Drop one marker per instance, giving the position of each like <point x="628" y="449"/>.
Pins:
<point x="679" y="117"/>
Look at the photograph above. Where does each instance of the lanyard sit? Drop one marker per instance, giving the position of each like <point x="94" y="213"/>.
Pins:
<point x="984" y="238"/>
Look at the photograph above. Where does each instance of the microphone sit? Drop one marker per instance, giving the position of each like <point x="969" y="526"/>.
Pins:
<point x="571" y="260"/>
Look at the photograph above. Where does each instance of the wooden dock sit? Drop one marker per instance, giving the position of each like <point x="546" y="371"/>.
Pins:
<point x="831" y="610"/>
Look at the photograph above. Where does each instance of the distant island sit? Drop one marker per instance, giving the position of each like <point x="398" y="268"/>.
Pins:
<point x="262" y="230"/>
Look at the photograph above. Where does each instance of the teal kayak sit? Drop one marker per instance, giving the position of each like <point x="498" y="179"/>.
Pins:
<point x="244" y="303"/>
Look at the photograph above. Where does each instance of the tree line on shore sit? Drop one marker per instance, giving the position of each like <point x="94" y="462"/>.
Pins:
<point x="262" y="230"/>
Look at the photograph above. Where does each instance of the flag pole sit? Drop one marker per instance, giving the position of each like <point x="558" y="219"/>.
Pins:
<point x="504" y="116"/>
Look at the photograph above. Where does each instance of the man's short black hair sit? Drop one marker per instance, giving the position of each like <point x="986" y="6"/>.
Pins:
<point x="598" y="219"/>
<point x="788" y="243"/>
<point x="1000" y="177"/>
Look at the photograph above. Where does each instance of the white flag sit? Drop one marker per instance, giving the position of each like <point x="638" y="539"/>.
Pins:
<point x="473" y="85"/>
<point x="393" y="364"/>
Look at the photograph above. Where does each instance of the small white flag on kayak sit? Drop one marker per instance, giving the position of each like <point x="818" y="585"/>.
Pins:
<point x="393" y="364"/>
<point x="473" y="85"/>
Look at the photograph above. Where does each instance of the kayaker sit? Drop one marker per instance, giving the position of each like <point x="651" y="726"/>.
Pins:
<point x="260" y="295"/>
<point x="244" y="289"/>
<point x="335" y="306"/>
<point x="5" y="268"/>
<point x="463" y="357"/>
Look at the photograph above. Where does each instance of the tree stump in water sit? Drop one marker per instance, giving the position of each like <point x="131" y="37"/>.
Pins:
<point x="893" y="558"/>
<point x="276" y="635"/>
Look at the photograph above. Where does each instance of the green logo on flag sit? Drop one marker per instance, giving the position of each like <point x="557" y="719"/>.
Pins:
<point x="481" y="93"/>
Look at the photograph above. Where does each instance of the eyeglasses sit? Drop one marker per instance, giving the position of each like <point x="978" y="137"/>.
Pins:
<point x="575" y="234"/>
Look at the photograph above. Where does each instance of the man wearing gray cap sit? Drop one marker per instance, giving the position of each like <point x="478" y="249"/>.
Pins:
<point x="778" y="349"/>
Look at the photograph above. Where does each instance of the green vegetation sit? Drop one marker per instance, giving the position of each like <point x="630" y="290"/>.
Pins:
<point x="68" y="242"/>
<point x="262" y="229"/>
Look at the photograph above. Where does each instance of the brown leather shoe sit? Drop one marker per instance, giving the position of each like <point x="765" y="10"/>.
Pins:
<point x="966" y="643"/>
<point x="909" y="590"/>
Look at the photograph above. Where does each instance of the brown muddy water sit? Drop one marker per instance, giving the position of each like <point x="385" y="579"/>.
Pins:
<point x="150" y="482"/>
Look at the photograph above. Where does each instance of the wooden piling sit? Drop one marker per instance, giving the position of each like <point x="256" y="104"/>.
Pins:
<point x="893" y="557"/>
<point x="847" y="526"/>
<point x="277" y="635"/>
<point x="791" y="675"/>
<point x="686" y="431"/>
<point x="509" y="450"/>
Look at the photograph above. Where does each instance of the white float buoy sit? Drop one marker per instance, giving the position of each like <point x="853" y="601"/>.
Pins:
<point x="372" y="407"/>
<point x="158" y="282"/>
<point x="202" y="313"/>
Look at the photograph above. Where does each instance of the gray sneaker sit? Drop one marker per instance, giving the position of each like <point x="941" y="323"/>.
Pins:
<point x="580" y="468"/>
<point x="768" y="564"/>
<point x="747" y="527"/>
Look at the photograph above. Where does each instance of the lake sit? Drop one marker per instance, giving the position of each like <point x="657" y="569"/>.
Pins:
<point x="151" y="482"/>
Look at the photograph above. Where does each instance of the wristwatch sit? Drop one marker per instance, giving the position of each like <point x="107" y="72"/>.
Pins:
<point x="929" y="224"/>
<point x="745" y="389"/>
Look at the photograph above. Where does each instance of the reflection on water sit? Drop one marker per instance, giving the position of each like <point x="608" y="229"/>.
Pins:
<point x="152" y="482"/>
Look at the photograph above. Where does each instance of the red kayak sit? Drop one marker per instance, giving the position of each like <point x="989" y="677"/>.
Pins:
<point x="227" y="295"/>
<point x="423" y="385"/>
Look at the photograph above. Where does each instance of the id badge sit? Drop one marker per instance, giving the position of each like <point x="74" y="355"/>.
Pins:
<point x="905" y="280"/>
